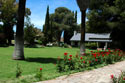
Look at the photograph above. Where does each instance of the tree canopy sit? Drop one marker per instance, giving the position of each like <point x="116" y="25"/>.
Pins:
<point x="8" y="17"/>
<point x="108" y="16"/>
<point x="62" y="20"/>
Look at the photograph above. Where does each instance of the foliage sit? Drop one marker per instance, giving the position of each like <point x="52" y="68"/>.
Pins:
<point x="35" y="57"/>
<point x="120" y="79"/>
<point x="39" y="74"/>
<point x="8" y="17"/>
<point x="47" y="29"/>
<point x="108" y="17"/>
<point x="18" y="71"/>
<point x="75" y="16"/>
<point x="82" y="62"/>
<point x="62" y="20"/>
<point x="29" y="33"/>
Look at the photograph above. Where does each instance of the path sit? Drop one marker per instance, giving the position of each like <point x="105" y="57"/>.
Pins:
<point x="100" y="75"/>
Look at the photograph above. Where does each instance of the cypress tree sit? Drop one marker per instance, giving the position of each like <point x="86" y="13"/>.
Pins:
<point x="76" y="17"/>
<point x="46" y="29"/>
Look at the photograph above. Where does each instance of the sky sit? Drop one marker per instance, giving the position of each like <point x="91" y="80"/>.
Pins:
<point x="38" y="9"/>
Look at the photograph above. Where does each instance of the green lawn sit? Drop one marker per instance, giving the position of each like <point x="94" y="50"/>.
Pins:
<point x="35" y="58"/>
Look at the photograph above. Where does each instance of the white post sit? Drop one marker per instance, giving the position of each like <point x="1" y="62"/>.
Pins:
<point x="106" y="44"/>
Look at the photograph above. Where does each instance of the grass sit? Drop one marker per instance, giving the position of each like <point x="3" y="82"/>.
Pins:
<point x="35" y="58"/>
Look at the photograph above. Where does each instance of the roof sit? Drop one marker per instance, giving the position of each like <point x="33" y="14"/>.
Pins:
<point x="93" y="37"/>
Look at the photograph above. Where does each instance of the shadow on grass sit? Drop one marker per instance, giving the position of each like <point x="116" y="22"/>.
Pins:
<point x="41" y="60"/>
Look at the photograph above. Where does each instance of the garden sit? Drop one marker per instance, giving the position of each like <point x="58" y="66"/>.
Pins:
<point x="41" y="63"/>
<point x="38" y="46"/>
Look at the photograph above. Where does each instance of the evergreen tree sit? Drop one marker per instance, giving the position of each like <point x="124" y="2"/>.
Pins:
<point x="46" y="28"/>
<point x="76" y="17"/>
<point x="62" y="20"/>
<point x="108" y="17"/>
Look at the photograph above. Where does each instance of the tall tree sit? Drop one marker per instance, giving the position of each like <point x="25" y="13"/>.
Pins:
<point x="46" y="28"/>
<point x="108" y="17"/>
<point x="100" y="15"/>
<point x="76" y="17"/>
<point x="118" y="24"/>
<point x="83" y="5"/>
<point x="19" y="39"/>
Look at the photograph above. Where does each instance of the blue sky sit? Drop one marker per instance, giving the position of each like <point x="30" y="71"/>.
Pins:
<point x="38" y="9"/>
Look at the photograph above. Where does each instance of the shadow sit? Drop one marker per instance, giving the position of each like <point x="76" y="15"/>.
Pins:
<point x="41" y="60"/>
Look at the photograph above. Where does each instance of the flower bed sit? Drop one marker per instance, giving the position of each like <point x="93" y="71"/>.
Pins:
<point x="93" y="59"/>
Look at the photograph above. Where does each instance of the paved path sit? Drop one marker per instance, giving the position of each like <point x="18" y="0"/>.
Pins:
<point x="100" y="75"/>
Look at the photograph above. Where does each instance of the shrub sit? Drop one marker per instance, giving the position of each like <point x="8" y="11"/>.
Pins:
<point x="29" y="34"/>
<point x="18" y="71"/>
<point x="120" y="79"/>
<point x="79" y="62"/>
<point x="39" y="74"/>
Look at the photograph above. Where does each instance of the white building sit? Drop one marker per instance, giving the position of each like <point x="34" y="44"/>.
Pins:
<point x="91" y="37"/>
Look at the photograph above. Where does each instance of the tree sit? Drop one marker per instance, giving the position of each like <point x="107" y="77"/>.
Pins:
<point x="19" y="39"/>
<point x="118" y="24"/>
<point x="108" y="18"/>
<point x="47" y="28"/>
<point x="29" y="32"/>
<point x="8" y="17"/>
<point x="100" y="15"/>
<point x="71" y="24"/>
<point x="83" y="4"/>
<point x="63" y="20"/>
<point x="76" y="17"/>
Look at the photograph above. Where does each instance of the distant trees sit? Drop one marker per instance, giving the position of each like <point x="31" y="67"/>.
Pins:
<point x="32" y="33"/>
<point x="62" y="20"/>
<point x="29" y="32"/>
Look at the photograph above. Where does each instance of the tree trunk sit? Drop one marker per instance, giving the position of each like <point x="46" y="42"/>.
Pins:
<point x="19" y="39"/>
<point x="82" y="43"/>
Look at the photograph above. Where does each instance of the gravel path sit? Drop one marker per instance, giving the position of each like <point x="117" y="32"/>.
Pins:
<point x="100" y="75"/>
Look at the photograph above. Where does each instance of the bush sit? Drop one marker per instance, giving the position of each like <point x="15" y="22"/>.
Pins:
<point x="120" y="79"/>
<point x="39" y="74"/>
<point x="81" y="62"/>
<point x="18" y="71"/>
<point x="29" y="34"/>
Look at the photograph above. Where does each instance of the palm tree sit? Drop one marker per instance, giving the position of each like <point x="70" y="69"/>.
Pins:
<point x="83" y="4"/>
<point x="19" y="38"/>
